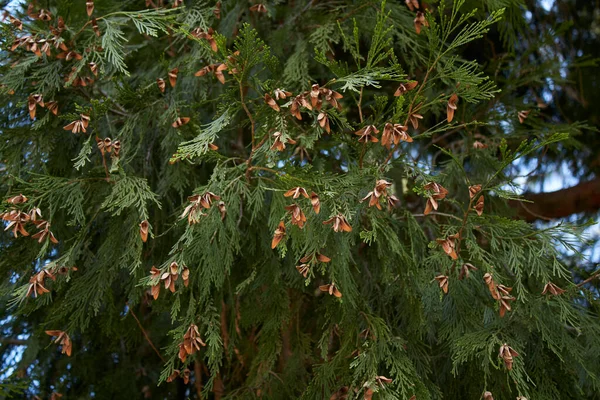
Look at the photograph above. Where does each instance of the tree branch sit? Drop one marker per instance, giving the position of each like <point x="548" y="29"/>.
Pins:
<point x="584" y="197"/>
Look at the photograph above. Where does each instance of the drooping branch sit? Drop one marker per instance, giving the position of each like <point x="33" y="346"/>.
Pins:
<point x="584" y="197"/>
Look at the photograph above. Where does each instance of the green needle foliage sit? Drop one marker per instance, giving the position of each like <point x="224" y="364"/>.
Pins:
<point x="185" y="227"/>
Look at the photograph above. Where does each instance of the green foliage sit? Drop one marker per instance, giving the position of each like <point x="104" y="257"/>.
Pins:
<point x="190" y="183"/>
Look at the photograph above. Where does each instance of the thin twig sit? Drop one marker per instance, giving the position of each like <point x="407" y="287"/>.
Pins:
<point x="105" y="168"/>
<point x="438" y="213"/>
<point x="145" y="334"/>
<point x="588" y="280"/>
<point x="198" y="380"/>
<point x="360" y="104"/>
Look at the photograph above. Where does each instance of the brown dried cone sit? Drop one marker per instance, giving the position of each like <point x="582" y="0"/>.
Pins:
<point x="155" y="275"/>
<point x="298" y="217"/>
<point x="442" y="282"/>
<point x="405" y="87"/>
<point x="258" y="8"/>
<point x="69" y="55"/>
<point x="315" y="96"/>
<point x="332" y="97"/>
<point x="316" y="202"/>
<point x="379" y="191"/>
<point x="191" y="343"/>
<point x="52" y="106"/>
<point x="281" y="94"/>
<point x="414" y="119"/>
<point x="170" y="277"/>
<point x="94" y="68"/>
<point x="449" y="245"/>
<point x="412" y="4"/>
<point x="489" y="281"/>
<point x="45" y="15"/>
<point x="523" y="115"/>
<point x="116" y="146"/>
<point x="304" y="269"/>
<point x="161" y="84"/>
<point x="420" y="22"/>
<point x="331" y="289"/>
<point x="222" y="209"/>
<point x="95" y="27"/>
<point x="473" y="190"/>
<point x="278" y="144"/>
<point x="392" y="202"/>
<point x="173" y="76"/>
<point x="381" y="186"/>
<point x="34" y="213"/>
<point x="16" y="22"/>
<point x="185" y="275"/>
<point x="186" y="376"/>
<point x="218" y="72"/>
<point x="297" y="102"/>
<point x="173" y="376"/>
<point x="340" y="224"/>
<point x="217" y="10"/>
<point x="144" y="228"/>
<point x="271" y="102"/>
<point x="478" y="145"/>
<point x="63" y="339"/>
<point x="451" y="107"/>
<point x="296" y="192"/>
<point x="382" y="380"/>
<point x="465" y="271"/>
<point x="36" y="283"/>
<point x="505" y="304"/>
<point x="32" y="102"/>
<point x="78" y="126"/>
<point x="89" y="6"/>
<point x="279" y="234"/>
<point x="180" y="121"/>
<point x="438" y="192"/>
<point x="311" y="257"/>
<point x="323" y="120"/>
<point x="393" y="134"/>
<point x="16" y="222"/>
<point x="479" y="205"/>
<point x="552" y="289"/>
<point x="44" y="232"/>
<point x="507" y="353"/>
<point x="17" y="199"/>
<point x="104" y="145"/>
<point x="367" y="134"/>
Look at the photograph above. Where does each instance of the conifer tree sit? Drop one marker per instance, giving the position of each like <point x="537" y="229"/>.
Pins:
<point x="307" y="199"/>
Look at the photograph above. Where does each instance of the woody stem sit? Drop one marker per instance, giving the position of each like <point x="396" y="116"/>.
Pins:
<point x="591" y="278"/>
<point x="105" y="168"/>
<point x="249" y="160"/>
<point x="144" y="332"/>
<point x="463" y="225"/>
<point x="360" y="115"/>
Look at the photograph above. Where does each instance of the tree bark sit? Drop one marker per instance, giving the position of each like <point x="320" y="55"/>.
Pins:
<point x="584" y="197"/>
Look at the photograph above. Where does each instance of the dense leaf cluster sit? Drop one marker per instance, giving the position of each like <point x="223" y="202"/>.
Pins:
<point x="189" y="264"/>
